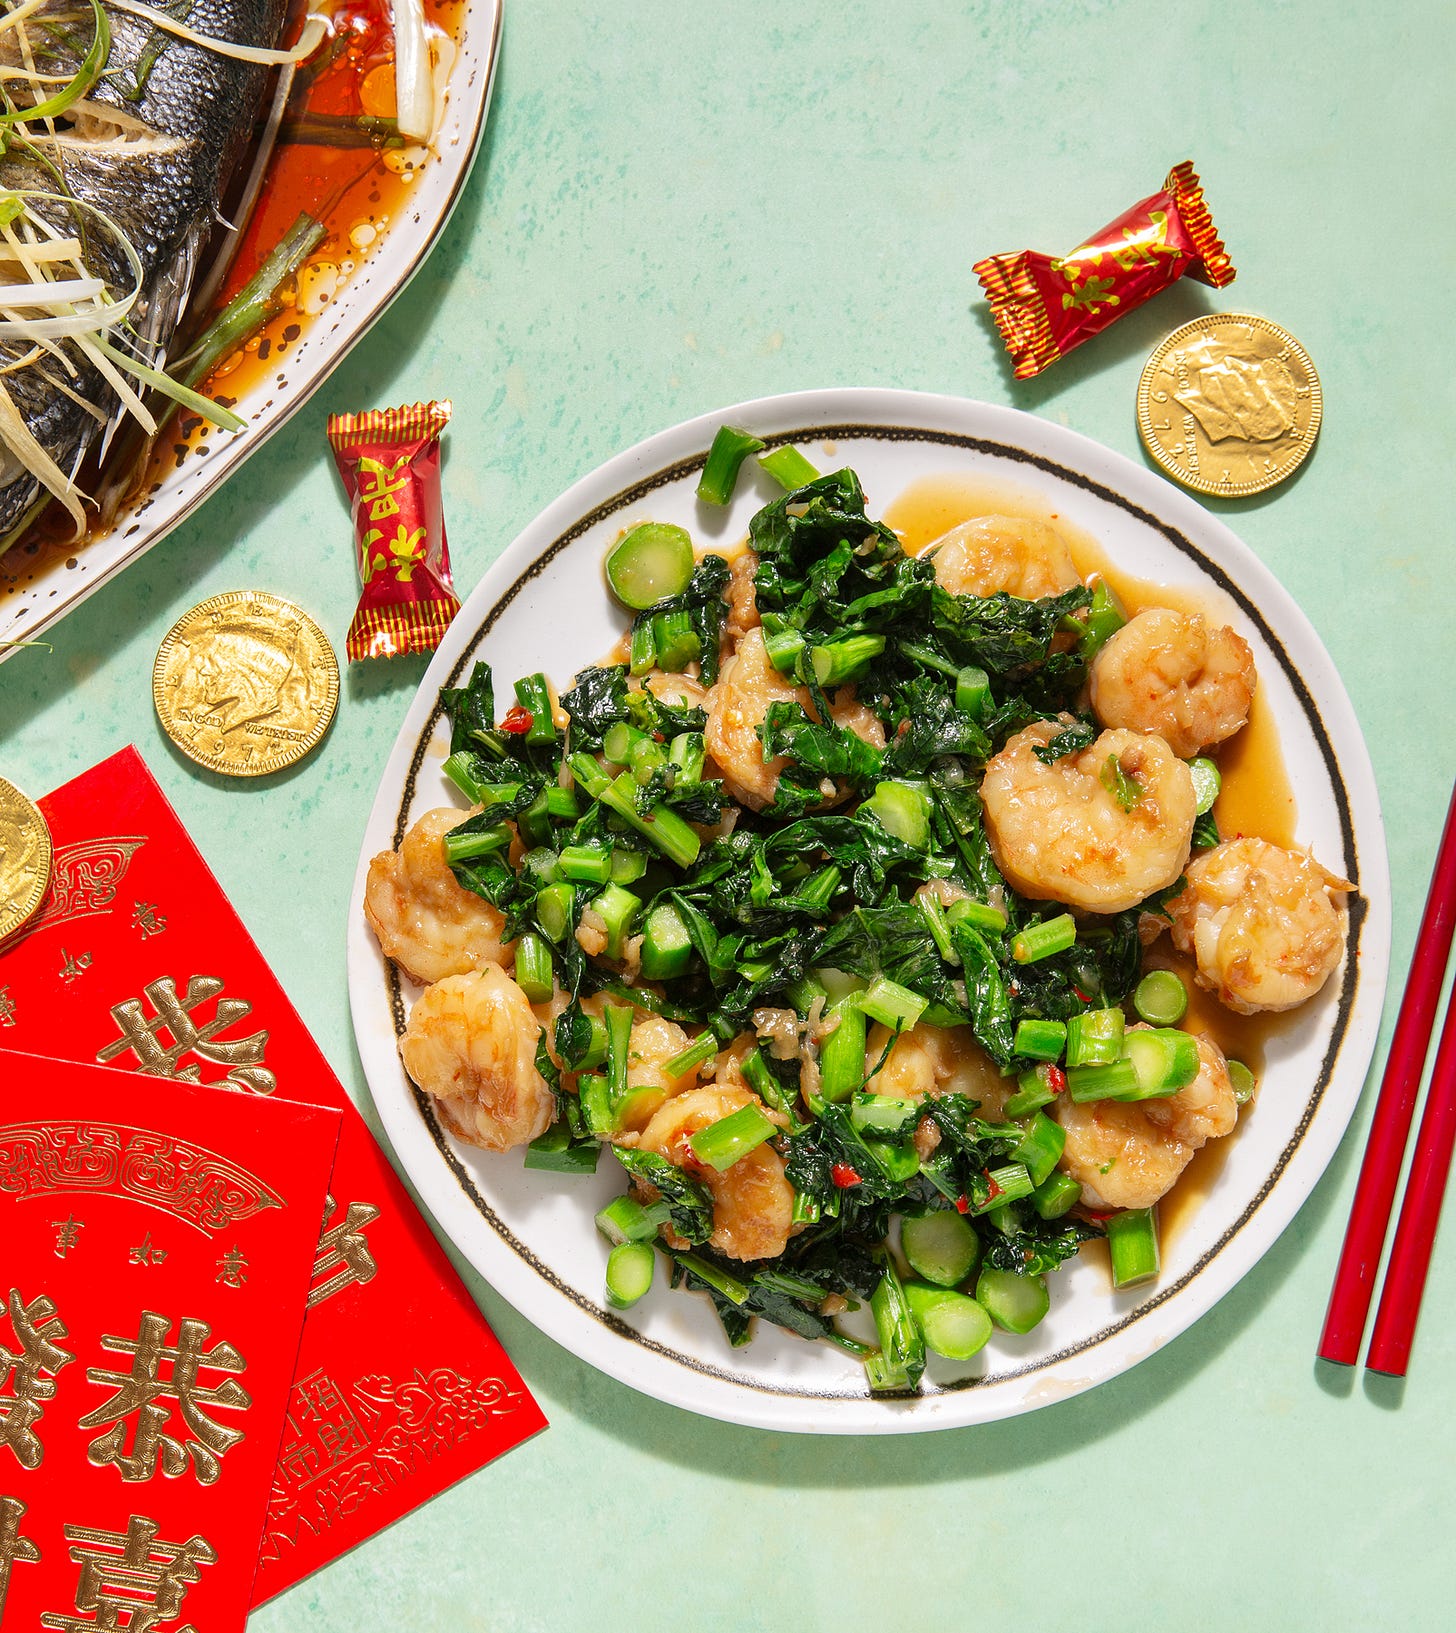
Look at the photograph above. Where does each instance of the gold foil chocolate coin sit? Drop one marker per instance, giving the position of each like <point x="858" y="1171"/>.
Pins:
<point x="1229" y="405"/>
<point x="25" y="859"/>
<point x="246" y="684"/>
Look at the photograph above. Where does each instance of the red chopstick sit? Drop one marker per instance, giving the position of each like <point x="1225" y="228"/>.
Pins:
<point x="1420" y="1212"/>
<point x="1390" y="1128"/>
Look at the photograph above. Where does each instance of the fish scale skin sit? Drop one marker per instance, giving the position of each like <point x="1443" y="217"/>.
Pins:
<point x="203" y="107"/>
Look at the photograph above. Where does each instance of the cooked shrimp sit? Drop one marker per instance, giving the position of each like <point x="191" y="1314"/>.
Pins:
<point x="1128" y="1154"/>
<point x="426" y="922"/>
<point x="670" y="687"/>
<point x="1170" y="673"/>
<point x="1025" y="558"/>
<point x="471" y="1043"/>
<point x="1266" y="925"/>
<point x="753" y="1204"/>
<point x="936" y="1060"/>
<point x="653" y="1043"/>
<point x="738" y="705"/>
<point x="1059" y="832"/>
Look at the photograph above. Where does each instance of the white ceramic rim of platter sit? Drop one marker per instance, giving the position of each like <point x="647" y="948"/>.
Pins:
<point x="1017" y="447"/>
<point x="361" y="301"/>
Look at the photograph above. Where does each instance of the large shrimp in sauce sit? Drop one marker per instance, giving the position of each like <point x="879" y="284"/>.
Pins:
<point x="1266" y="925"/>
<point x="1129" y="1154"/>
<point x="471" y="1043"/>
<point x="753" y="1203"/>
<point x="738" y="705"/>
<point x="429" y="924"/>
<point x="1061" y="833"/>
<point x="1025" y="558"/>
<point x="1171" y="673"/>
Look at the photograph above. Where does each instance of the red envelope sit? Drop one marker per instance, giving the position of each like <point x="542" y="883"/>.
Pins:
<point x="138" y="960"/>
<point x="159" y="1242"/>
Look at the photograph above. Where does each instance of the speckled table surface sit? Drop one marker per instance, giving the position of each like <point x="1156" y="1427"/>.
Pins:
<point x="678" y="207"/>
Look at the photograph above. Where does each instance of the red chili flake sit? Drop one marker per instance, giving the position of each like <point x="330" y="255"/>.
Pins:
<point x="1086" y="997"/>
<point x="518" y="720"/>
<point x="995" y="1190"/>
<point x="963" y="1204"/>
<point x="1056" y="1079"/>
<point x="844" y="1176"/>
<point x="1092" y="1213"/>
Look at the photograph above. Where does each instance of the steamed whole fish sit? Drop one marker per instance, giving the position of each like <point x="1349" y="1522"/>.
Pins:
<point x="153" y="144"/>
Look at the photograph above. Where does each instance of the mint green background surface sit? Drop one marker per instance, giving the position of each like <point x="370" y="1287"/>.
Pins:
<point x="680" y="206"/>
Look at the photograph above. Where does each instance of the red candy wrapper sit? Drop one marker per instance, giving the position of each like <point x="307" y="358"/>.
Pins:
<point x="389" y="460"/>
<point x="1045" y="305"/>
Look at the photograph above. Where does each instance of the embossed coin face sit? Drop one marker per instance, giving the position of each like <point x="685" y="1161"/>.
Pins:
<point x="1229" y="404"/>
<point x="246" y="684"/>
<point x="25" y="859"/>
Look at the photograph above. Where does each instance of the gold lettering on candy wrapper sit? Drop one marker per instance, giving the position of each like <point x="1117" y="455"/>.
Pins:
<point x="172" y="1019"/>
<point x="27" y="1376"/>
<point x="130" y="1582"/>
<point x="14" y="1548"/>
<point x="188" y="1181"/>
<point x="139" y="1392"/>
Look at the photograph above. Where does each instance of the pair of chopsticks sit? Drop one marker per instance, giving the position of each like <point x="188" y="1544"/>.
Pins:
<point x="1415" y="1233"/>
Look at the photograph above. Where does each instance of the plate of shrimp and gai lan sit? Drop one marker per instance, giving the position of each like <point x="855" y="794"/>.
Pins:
<point x="895" y="948"/>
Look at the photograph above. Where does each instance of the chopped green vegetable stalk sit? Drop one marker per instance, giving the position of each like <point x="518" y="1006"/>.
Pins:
<point x="1043" y="939"/>
<point x="1015" y="1303"/>
<point x="1040" y="1040"/>
<point x="595" y="1097"/>
<point x="842" y="1053"/>
<point x="460" y="847"/>
<point x="731" y="1138"/>
<point x="891" y="1004"/>
<point x="1243" y="1081"/>
<point x="1095" y="1037"/>
<point x="950" y="1323"/>
<point x="1035" y="1088"/>
<point x="934" y="915"/>
<point x="533" y="968"/>
<point x="1056" y="1195"/>
<point x="686" y="754"/>
<point x="619" y="741"/>
<point x="1104" y="618"/>
<point x="882" y="1114"/>
<point x="589" y="864"/>
<point x="624" y="1219"/>
<point x="1132" y="1245"/>
<point x="788" y="467"/>
<point x="979" y="915"/>
<point x="534" y="696"/>
<point x="665" y="828"/>
<point x="1041" y="1148"/>
<point x="1160" y="998"/>
<point x="901" y="1342"/>
<point x="1008" y="1183"/>
<point x="1207" y="782"/>
<point x="619" y="1046"/>
<point x="619" y="909"/>
<point x="677" y="642"/>
<point x="627" y="865"/>
<point x="1164" y="1059"/>
<point x="725" y="458"/>
<point x="973" y="692"/>
<point x="1112" y="1082"/>
<point x="844" y="660"/>
<point x="667" y="949"/>
<point x="902" y="809"/>
<point x="642" y="653"/>
<point x="554" y="1153"/>
<point x="942" y="1247"/>
<point x="698" y="1053"/>
<point x="630" y="1267"/>
<point x="720" y="1280"/>
<point x="649" y="563"/>
<point x="783" y="643"/>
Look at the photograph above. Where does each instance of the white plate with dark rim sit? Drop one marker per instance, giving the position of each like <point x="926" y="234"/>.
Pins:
<point x="543" y="605"/>
<point x="273" y="399"/>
